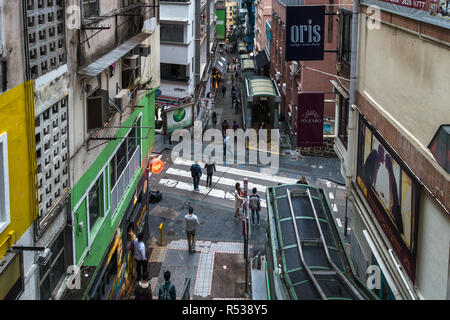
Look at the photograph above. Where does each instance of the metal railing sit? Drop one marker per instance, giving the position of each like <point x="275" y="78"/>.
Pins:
<point x="124" y="180"/>
<point x="186" y="289"/>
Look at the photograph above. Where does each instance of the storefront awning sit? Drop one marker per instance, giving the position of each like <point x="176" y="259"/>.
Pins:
<point x="96" y="67"/>
<point x="248" y="64"/>
<point x="261" y="59"/>
<point x="340" y="89"/>
<point x="261" y="87"/>
<point x="221" y="65"/>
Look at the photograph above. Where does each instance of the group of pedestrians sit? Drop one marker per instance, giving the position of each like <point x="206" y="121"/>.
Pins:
<point x="196" y="173"/>
<point x="143" y="290"/>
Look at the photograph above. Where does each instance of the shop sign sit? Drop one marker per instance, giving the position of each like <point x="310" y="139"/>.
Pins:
<point x="310" y="119"/>
<point x="305" y="27"/>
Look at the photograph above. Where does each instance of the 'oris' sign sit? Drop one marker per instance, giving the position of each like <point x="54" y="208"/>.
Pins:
<point x="305" y="33"/>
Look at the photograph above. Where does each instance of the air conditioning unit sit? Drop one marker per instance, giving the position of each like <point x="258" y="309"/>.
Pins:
<point x="132" y="61"/>
<point x="144" y="50"/>
<point x="122" y="99"/>
<point x="44" y="257"/>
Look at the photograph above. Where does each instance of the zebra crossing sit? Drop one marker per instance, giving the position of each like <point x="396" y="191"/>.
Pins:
<point x="224" y="180"/>
<point x="178" y="176"/>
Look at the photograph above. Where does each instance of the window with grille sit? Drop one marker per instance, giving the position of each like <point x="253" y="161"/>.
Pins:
<point x="91" y="8"/>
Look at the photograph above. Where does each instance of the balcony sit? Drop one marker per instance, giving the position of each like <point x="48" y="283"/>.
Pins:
<point x="100" y="35"/>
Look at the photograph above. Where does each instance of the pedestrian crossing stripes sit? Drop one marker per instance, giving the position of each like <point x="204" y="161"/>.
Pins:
<point x="179" y="177"/>
<point x="244" y="173"/>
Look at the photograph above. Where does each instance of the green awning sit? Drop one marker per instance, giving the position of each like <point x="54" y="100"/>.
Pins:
<point x="248" y="64"/>
<point x="262" y="87"/>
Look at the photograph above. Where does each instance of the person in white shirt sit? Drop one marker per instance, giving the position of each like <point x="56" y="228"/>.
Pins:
<point x="139" y="255"/>
<point x="191" y="226"/>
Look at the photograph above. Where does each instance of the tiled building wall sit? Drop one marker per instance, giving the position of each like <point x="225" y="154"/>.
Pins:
<point x="45" y="35"/>
<point x="51" y="128"/>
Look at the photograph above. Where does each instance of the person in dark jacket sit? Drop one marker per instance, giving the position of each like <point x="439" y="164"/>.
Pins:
<point x="143" y="290"/>
<point x="196" y="172"/>
<point x="302" y="181"/>
<point x="255" y="205"/>
<point x="210" y="167"/>
<point x="167" y="291"/>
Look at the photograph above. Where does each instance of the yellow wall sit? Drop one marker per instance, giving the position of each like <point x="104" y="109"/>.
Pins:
<point x="17" y="119"/>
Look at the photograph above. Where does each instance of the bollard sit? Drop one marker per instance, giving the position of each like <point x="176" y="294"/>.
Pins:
<point x="161" y="228"/>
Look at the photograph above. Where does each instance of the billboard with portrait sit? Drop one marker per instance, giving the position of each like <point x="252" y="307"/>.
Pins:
<point x="391" y="191"/>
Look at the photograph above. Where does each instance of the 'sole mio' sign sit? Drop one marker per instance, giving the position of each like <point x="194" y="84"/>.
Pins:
<point x="305" y="33"/>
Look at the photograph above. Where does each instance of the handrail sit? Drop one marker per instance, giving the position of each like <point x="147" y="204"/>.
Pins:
<point x="299" y="247"/>
<point x="330" y="261"/>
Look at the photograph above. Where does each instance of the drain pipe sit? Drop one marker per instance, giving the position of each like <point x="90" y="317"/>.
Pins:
<point x="351" y="132"/>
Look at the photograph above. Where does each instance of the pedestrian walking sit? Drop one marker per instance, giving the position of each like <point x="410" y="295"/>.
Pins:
<point x="210" y="167"/>
<point x="235" y="68"/>
<point x="224" y="90"/>
<point x="143" y="290"/>
<point x="214" y="119"/>
<point x="139" y="255"/>
<point x="236" y="105"/>
<point x="238" y="199"/>
<point x="255" y="205"/>
<point x="232" y="78"/>
<point x="236" y="75"/>
<point x="235" y="125"/>
<point x="225" y="127"/>
<point x="302" y="181"/>
<point x="167" y="291"/>
<point x="191" y="226"/>
<point x="196" y="172"/>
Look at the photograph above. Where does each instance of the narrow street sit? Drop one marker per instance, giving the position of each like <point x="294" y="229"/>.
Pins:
<point x="220" y="246"/>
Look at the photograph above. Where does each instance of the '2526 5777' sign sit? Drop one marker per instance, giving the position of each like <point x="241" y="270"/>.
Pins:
<point x="305" y="33"/>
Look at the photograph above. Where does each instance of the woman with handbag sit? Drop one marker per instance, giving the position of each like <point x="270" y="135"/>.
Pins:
<point x="239" y="200"/>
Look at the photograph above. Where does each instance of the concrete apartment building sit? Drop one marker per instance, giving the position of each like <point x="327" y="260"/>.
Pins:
<point x="393" y="145"/>
<point x="113" y="55"/>
<point x="34" y="56"/>
<point x="185" y="50"/>
<point x="263" y="14"/>
<point x="302" y="76"/>
<point x="232" y="15"/>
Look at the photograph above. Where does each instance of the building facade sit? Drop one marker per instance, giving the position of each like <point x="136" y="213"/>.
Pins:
<point x="387" y="122"/>
<point x="232" y="15"/>
<point x="114" y="72"/>
<point x="294" y="77"/>
<point x="263" y="10"/>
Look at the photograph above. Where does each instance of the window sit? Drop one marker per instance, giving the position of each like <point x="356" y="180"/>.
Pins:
<point x="172" y="32"/>
<point x="343" y="119"/>
<point x="95" y="202"/>
<point x="123" y="155"/>
<point x="52" y="273"/>
<point x="97" y="110"/>
<point x="3" y="76"/>
<point x="91" y="8"/>
<point x="4" y="183"/>
<point x="174" y="72"/>
<point x="346" y="36"/>
<point x="440" y="147"/>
